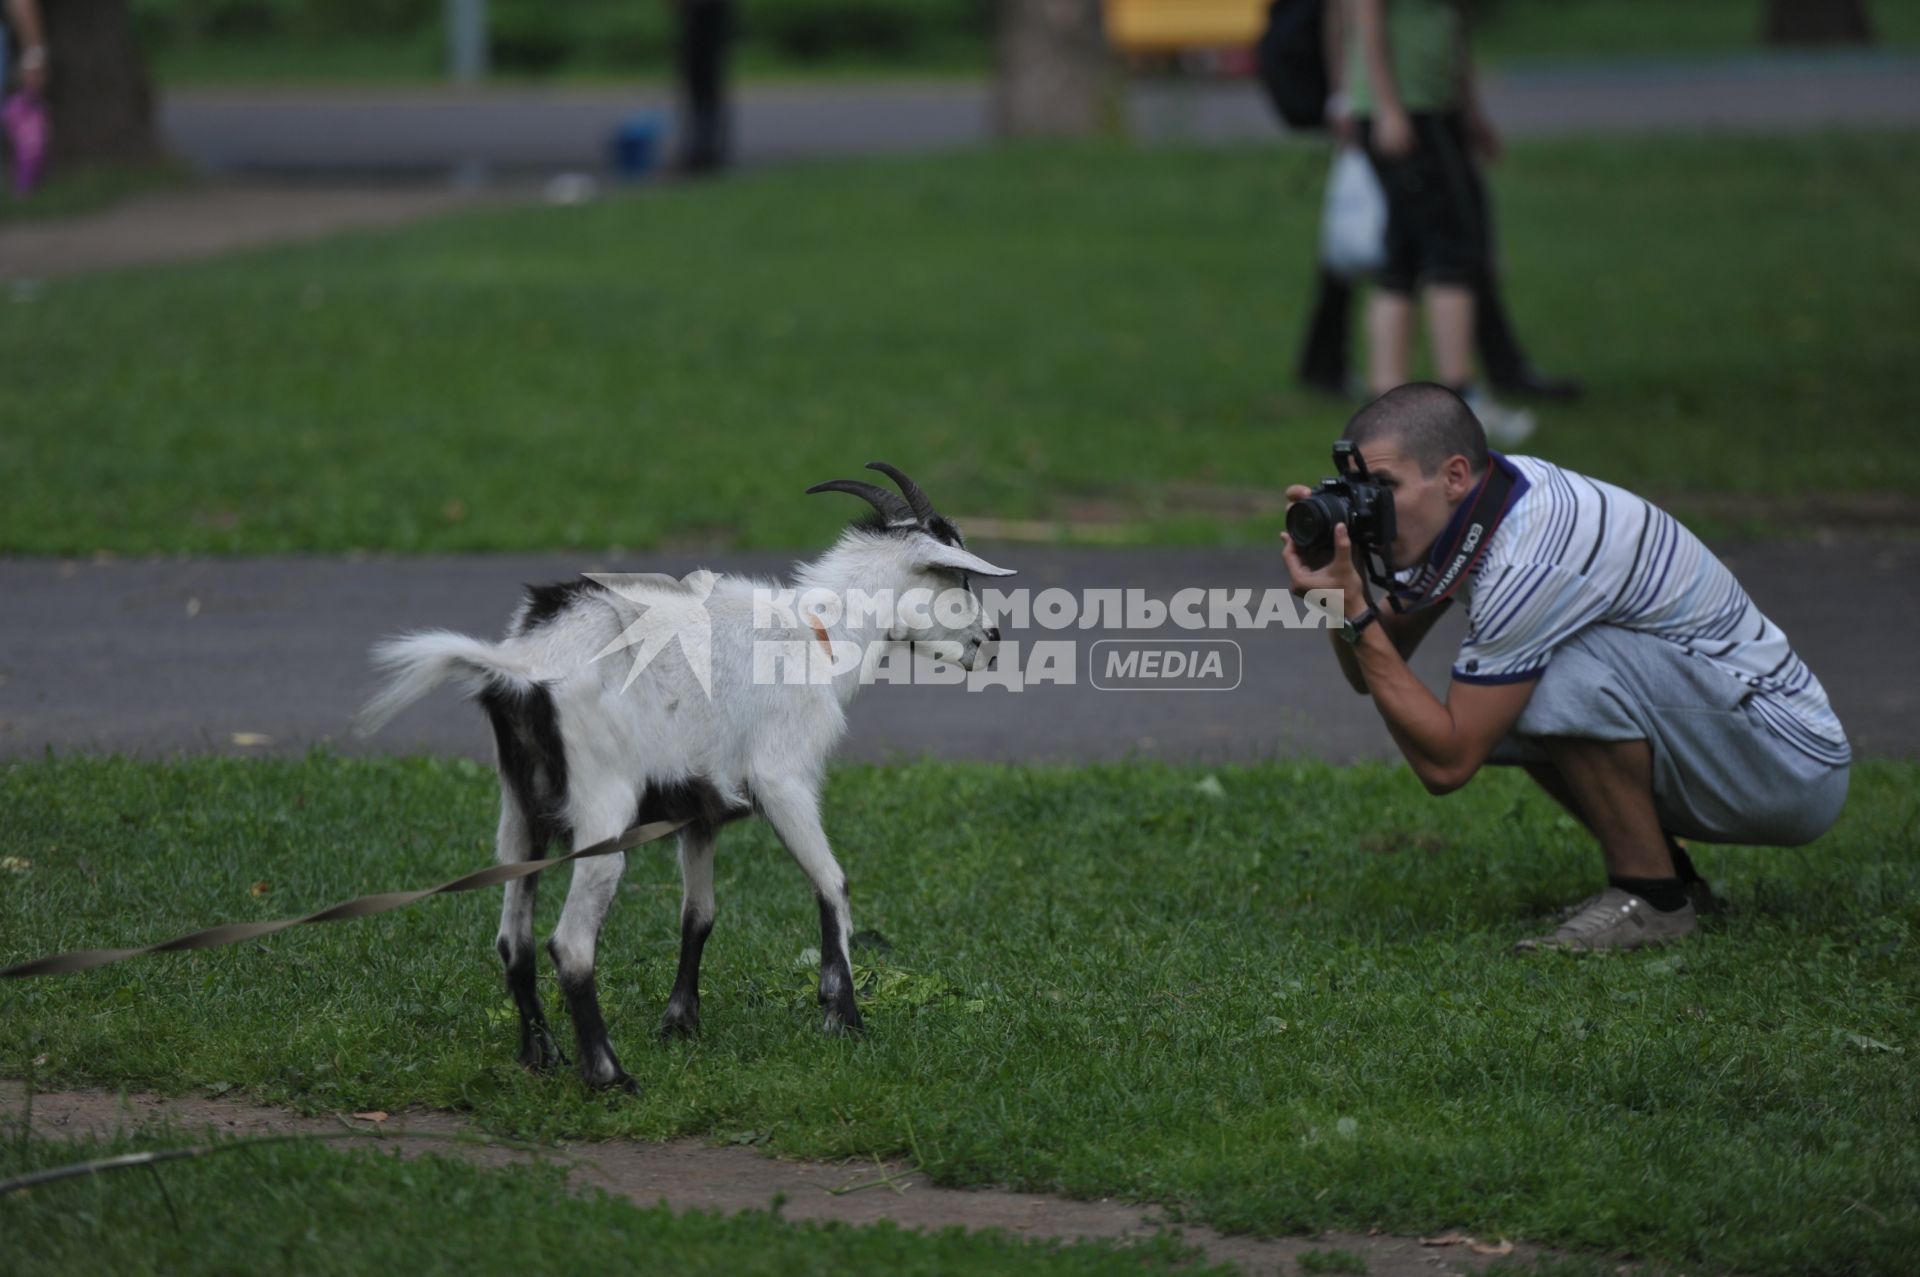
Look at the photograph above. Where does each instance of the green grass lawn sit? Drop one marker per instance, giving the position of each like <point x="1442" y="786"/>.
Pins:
<point x="1278" y="1005"/>
<point x="1094" y="335"/>
<point x="323" y="1212"/>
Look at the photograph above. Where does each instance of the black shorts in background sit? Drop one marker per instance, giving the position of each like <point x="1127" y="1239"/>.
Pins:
<point x="1436" y="206"/>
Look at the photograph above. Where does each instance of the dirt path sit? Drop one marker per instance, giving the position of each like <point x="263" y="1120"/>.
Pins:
<point x="210" y="221"/>
<point x="688" y="1175"/>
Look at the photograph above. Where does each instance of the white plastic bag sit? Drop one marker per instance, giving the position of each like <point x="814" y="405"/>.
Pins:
<point x="1353" y="226"/>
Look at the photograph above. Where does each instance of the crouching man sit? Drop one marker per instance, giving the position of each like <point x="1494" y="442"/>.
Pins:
<point x="1608" y="652"/>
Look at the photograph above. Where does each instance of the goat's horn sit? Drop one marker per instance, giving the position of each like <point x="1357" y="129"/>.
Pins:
<point x="891" y="507"/>
<point x="922" y="507"/>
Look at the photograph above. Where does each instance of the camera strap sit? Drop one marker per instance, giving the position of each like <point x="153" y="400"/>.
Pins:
<point x="1467" y="538"/>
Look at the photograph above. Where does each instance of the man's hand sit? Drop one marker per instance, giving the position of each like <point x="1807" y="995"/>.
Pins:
<point x="1338" y="574"/>
<point x="1392" y="132"/>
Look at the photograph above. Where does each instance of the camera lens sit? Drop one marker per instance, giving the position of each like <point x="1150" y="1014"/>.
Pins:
<point x="1311" y="522"/>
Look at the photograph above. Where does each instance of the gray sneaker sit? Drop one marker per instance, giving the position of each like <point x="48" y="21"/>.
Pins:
<point x="1616" y="919"/>
<point x="1506" y="427"/>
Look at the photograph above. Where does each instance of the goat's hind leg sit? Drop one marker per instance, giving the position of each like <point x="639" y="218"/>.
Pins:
<point x="518" y="841"/>
<point x="696" y="923"/>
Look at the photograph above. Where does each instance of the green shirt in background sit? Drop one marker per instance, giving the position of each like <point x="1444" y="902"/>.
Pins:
<point x="1427" y="49"/>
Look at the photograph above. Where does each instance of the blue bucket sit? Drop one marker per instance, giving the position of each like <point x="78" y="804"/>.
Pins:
<point x="634" y="148"/>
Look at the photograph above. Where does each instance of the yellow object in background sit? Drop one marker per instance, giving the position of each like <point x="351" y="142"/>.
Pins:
<point x="1167" y="26"/>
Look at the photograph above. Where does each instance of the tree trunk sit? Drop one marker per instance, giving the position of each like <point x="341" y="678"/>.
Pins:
<point x="1052" y="69"/>
<point x="98" y="94"/>
<point x="1817" y="22"/>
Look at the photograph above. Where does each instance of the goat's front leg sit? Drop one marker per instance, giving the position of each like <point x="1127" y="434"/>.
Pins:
<point x="573" y="946"/>
<point x="793" y="809"/>
<point x="696" y="923"/>
<point x="517" y="842"/>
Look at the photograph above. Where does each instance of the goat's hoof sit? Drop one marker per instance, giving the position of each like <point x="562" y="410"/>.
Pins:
<point x="845" y="1022"/>
<point x="619" y="1080"/>
<point x="542" y="1055"/>
<point x="679" y="1025"/>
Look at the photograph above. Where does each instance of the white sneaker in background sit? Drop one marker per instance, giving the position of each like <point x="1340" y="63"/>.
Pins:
<point x="1505" y="426"/>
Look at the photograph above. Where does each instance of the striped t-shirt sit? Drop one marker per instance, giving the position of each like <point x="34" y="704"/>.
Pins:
<point x="1574" y="552"/>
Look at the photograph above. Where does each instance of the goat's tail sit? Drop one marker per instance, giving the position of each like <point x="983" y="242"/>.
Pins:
<point x="415" y="664"/>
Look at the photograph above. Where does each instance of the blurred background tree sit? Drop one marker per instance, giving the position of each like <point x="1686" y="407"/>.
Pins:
<point x="98" y="90"/>
<point x="1051" y="69"/>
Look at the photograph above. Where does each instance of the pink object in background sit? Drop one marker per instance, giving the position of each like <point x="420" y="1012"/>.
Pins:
<point x="24" y="119"/>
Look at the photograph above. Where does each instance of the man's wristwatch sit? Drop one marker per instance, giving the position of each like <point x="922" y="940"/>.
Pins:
<point x="1357" y="625"/>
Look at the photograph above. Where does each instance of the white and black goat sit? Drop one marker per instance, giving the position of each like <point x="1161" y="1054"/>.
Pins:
<point x="586" y="750"/>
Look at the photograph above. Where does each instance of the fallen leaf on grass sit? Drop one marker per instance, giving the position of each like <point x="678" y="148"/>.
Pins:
<point x="40" y="1060"/>
<point x="1866" y="1043"/>
<point x="260" y="888"/>
<point x="372" y="1115"/>
<point x="16" y="864"/>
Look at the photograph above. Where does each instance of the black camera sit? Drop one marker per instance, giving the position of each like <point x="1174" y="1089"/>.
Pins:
<point x="1353" y="499"/>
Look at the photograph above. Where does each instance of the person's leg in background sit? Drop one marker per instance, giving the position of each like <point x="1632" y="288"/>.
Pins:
<point x="1389" y="314"/>
<point x="1453" y="253"/>
<point x="1428" y="230"/>
<point x="1324" y="355"/>
<point x="1429" y="248"/>
<point x="1449" y="310"/>
<point x="706" y="27"/>
<point x="1389" y="338"/>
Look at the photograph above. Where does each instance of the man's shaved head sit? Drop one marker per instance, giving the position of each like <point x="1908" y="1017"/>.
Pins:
<point x="1427" y="422"/>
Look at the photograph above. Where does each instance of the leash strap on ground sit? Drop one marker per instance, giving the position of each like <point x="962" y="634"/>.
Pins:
<point x="364" y="907"/>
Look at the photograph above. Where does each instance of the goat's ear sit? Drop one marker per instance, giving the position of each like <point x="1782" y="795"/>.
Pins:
<point x="934" y="554"/>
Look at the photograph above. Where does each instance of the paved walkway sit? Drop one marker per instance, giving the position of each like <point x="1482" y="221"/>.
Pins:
<point x="429" y="133"/>
<point x="194" y="656"/>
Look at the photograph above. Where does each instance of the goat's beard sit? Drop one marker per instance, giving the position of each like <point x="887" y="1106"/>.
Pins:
<point x="968" y="654"/>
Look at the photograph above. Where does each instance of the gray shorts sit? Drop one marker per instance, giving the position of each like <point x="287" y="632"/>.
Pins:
<point x="1719" y="774"/>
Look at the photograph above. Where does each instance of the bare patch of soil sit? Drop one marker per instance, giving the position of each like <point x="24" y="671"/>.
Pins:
<point x="688" y="1175"/>
<point x="211" y="221"/>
